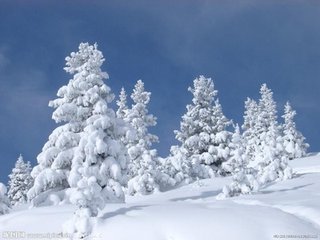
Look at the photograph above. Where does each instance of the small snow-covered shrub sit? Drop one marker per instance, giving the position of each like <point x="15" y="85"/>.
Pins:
<point x="242" y="183"/>
<point x="177" y="167"/>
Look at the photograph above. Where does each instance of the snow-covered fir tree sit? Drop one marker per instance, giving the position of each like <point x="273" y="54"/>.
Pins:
<point x="203" y="131"/>
<point x="294" y="141"/>
<point x="236" y="159"/>
<point x="243" y="179"/>
<point x="72" y="107"/>
<point x="250" y="133"/>
<point x="99" y="164"/>
<point x="143" y="166"/>
<point x="122" y="104"/>
<point x="20" y="181"/>
<point x="139" y="118"/>
<point x="269" y="158"/>
<point x="4" y="201"/>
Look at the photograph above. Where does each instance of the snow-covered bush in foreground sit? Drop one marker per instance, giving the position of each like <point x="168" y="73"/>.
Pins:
<point x="242" y="183"/>
<point x="146" y="179"/>
<point x="4" y="201"/>
<point x="294" y="141"/>
<point x="203" y="131"/>
<point x="20" y="181"/>
<point x="177" y="167"/>
<point x="99" y="165"/>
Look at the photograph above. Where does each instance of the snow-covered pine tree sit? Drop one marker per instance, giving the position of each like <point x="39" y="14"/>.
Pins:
<point x="269" y="158"/>
<point x="122" y="113"/>
<point x="20" y="181"/>
<point x="4" y="201"/>
<point x="122" y="104"/>
<point x="294" y="141"/>
<point x="72" y="107"/>
<point x="236" y="159"/>
<point x="243" y="181"/>
<point x="143" y="167"/>
<point x="250" y="133"/>
<point x="99" y="165"/>
<point x="139" y="117"/>
<point x="203" y="130"/>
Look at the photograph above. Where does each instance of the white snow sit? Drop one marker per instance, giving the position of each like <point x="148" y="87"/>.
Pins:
<point x="192" y="212"/>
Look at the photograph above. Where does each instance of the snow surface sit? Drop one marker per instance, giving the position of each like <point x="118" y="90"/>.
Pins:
<point x="288" y="209"/>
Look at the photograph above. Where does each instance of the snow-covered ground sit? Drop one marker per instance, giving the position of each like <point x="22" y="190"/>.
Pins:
<point x="289" y="209"/>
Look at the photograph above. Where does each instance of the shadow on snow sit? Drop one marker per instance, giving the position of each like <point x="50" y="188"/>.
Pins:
<point x="122" y="211"/>
<point x="201" y="196"/>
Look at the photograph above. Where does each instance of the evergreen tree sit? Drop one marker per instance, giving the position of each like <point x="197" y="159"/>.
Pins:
<point x="250" y="133"/>
<point x="4" y="201"/>
<point x="20" y="182"/>
<point x="139" y="118"/>
<point x="203" y="130"/>
<point x="99" y="165"/>
<point x="269" y="158"/>
<point x="236" y="159"/>
<point x="122" y="104"/>
<point x="72" y="107"/>
<point x="294" y="141"/>
<point x="243" y="179"/>
<point x="143" y="167"/>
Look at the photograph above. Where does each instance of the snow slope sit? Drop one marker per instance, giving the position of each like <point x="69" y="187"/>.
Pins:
<point x="288" y="209"/>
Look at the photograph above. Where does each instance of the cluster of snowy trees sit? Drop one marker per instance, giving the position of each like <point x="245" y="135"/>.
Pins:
<point x="98" y="155"/>
<point x="260" y="154"/>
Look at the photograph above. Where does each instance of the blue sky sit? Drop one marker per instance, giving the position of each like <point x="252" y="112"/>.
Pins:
<point x="240" y="44"/>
